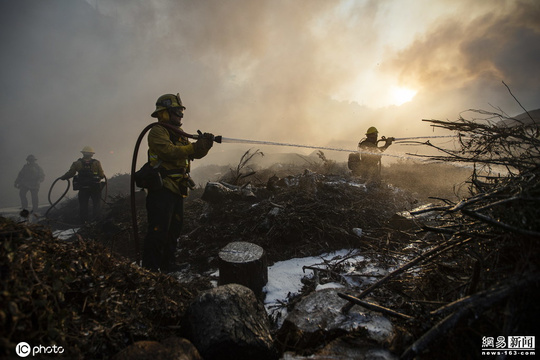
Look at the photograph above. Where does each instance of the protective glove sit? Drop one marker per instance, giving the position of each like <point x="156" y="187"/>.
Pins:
<point x="389" y="141"/>
<point x="16" y="185"/>
<point x="206" y="140"/>
<point x="202" y="145"/>
<point x="63" y="177"/>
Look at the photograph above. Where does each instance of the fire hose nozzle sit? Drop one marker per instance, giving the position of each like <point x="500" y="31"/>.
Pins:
<point x="217" y="138"/>
<point x="384" y="138"/>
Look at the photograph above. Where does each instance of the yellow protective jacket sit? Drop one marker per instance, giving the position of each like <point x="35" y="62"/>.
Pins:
<point x="174" y="153"/>
<point x="370" y="160"/>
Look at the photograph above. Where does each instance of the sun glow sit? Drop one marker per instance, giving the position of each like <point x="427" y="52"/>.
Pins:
<point x="401" y="95"/>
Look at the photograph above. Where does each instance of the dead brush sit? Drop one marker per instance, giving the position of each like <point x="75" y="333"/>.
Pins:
<point x="494" y="258"/>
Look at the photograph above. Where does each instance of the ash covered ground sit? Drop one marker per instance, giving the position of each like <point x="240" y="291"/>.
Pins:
<point x="88" y="294"/>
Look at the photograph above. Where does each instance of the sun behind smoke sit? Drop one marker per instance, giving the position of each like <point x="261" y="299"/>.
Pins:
<point x="401" y="95"/>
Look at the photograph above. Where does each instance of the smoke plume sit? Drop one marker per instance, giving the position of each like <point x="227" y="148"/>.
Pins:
<point x="314" y="72"/>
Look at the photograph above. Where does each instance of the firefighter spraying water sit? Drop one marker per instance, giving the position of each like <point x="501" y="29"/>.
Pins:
<point x="368" y="166"/>
<point x="166" y="175"/>
<point x="166" y="179"/>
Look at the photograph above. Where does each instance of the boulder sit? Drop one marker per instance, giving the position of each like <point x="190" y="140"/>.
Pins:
<point x="354" y="348"/>
<point x="317" y="319"/>
<point x="172" y="348"/>
<point x="229" y="322"/>
<point x="347" y="347"/>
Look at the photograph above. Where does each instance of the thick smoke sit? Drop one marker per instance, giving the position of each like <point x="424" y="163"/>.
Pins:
<point x="315" y="72"/>
<point x="497" y="45"/>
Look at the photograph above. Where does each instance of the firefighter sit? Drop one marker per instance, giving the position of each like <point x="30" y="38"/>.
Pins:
<point x="172" y="154"/>
<point x="87" y="174"/>
<point x="29" y="179"/>
<point x="368" y="166"/>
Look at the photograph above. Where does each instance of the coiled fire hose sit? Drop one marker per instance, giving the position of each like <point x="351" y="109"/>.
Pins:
<point x="59" y="199"/>
<point x="66" y="191"/>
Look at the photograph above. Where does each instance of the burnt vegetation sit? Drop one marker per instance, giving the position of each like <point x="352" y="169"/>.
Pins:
<point x="464" y="267"/>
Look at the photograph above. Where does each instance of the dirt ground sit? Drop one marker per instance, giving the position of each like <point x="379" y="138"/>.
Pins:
<point x="87" y="293"/>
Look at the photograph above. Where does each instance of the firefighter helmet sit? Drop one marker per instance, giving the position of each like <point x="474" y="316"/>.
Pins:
<point x="372" y="130"/>
<point x="88" y="149"/>
<point x="31" y="158"/>
<point x="167" y="101"/>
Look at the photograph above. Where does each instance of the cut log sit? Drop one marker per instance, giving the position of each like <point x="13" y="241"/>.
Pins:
<point x="245" y="264"/>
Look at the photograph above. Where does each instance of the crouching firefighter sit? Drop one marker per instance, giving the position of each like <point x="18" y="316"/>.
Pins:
<point x="170" y="153"/>
<point x="87" y="174"/>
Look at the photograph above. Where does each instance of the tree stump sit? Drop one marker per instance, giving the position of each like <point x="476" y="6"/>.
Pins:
<point x="245" y="264"/>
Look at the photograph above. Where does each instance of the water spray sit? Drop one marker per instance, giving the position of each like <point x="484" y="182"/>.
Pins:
<point x="425" y="137"/>
<point x="221" y="139"/>
<point x="262" y="142"/>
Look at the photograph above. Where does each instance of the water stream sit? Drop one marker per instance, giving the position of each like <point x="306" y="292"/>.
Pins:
<point x="400" y="156"/>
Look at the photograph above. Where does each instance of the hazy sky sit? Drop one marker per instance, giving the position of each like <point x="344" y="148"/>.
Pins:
<point x="317" y="72"/>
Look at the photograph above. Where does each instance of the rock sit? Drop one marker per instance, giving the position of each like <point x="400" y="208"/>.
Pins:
<point x="350" y="348"/>
<point x="318" y="318"/>
<point x="354" y="348"/>
<point x="287" y="182"/>
<point x="218" y="192"/>
<point x="172" y="348"/>
<point x="357" y="232"/>
<point x="229" y="322"/>
<point x="215" y="192"/>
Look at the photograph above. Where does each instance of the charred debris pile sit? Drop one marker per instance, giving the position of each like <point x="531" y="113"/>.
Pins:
<point x="78" y="295"/>
<point x="458" y="270"/>
<point x="86" y="295"/>
<point x="488" y="253"/>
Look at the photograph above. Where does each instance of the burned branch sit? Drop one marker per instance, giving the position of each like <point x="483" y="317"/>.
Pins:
<point x="470" y="306"/>
<point x="502" y="211"/>
<point x="375" y="307"/>
<point x="237" y="174"/>
<point x="512" y="151"/>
